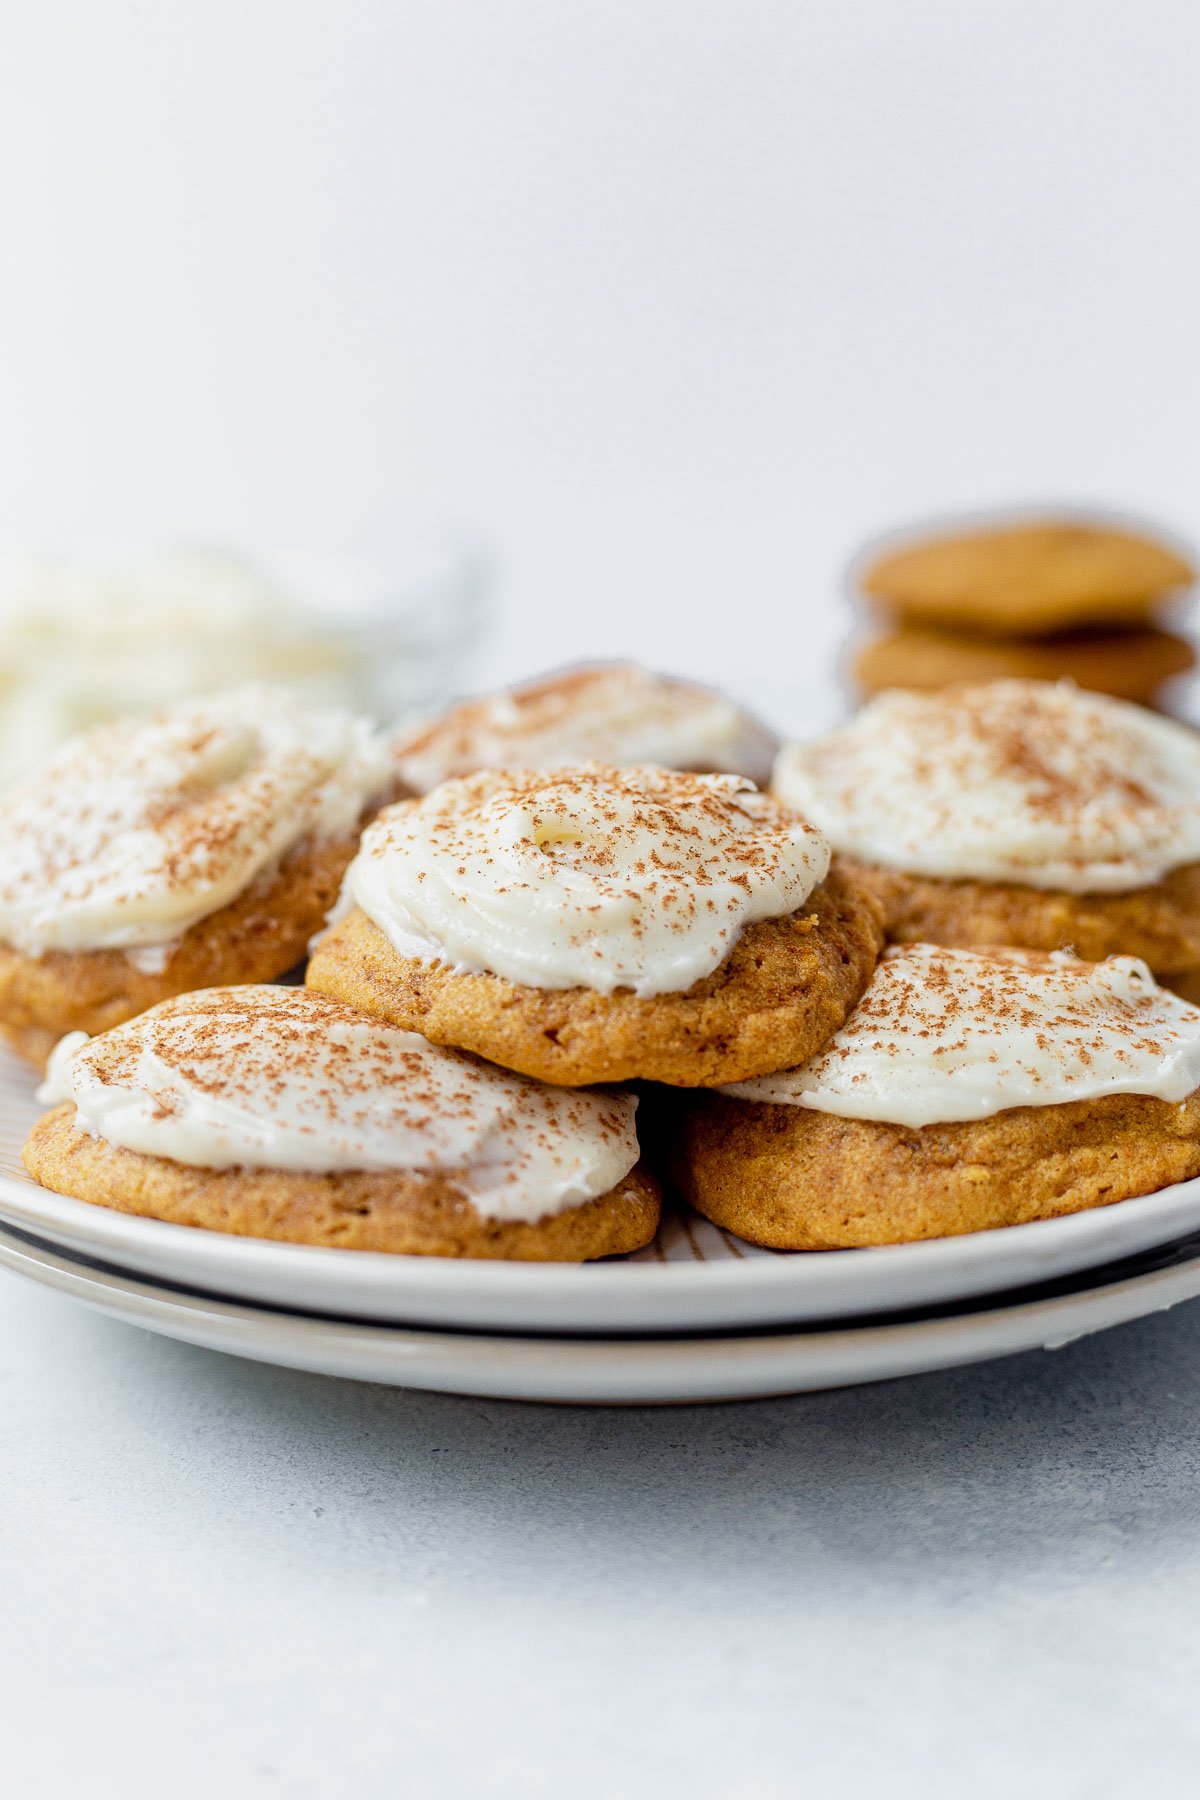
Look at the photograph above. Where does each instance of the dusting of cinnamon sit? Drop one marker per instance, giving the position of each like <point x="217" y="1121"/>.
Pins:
<point x="613" y="712"/>
<point x="1007" y="781"/>
<point x="290" y="1064"/>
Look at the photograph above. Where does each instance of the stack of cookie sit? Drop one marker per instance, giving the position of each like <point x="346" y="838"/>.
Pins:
<point x="1044" y="599"/>
<point x="511" y="949"/>
<point x="533" y="954"/>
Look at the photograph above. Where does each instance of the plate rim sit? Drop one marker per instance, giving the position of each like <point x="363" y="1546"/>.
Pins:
<point x="601" y="1371"/>
<point x="761" y="1287"/>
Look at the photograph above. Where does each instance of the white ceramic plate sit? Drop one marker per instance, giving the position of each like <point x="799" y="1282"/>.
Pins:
<point x="619" y="1371"/>
<point x="695" y="1278"/>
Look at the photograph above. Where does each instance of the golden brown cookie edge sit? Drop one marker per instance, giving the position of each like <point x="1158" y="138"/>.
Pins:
<point x="778" y="997"/>
<point x="791" y="1178"/>
<point x="1160" y="922"/>
<point x="399" y="1213"/>
<point x="1006" y="578"/>
<point x="259" y="936"/>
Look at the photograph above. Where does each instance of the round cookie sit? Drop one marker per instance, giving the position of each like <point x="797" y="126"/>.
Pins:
<point x="796" y="1180"/>
<point x="968" y="1090"/>
<point x="271" y="1073"/>
<point x="602" y="924"/>
<point x="204" y="844"/>
<point x="1026" y="577"/>
<point x="616" y="713"/>
<point x="404" y="1215"/>
<point x="1132" y="665"/>
<point x="257" y="937"/>
<point x="1028" y="814"/>
<point x="784" y="988"/>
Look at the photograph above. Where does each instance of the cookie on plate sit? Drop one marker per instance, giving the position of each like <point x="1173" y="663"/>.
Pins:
<point x="1026" y="577"/>
<point x="273" y="1112"/>
<point x="1131" y="665"/>
<point x="602" y="924"/>
<point x="615" y="712"/>
<point x="968" y="1090"/>
<point x="1024" y="813"/>
<point x="147" y="857"/>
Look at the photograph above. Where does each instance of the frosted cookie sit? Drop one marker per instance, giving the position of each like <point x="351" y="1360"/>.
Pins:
<point x="616" y="713"/>
<point x="150" y="856"/>
<point x="276" y="1113"/>
<point x="602" y="924"/>
<point x="1131" y="665"/>
<point x="967" y="1090"/>
<point x="1023" y="813"/>
<point x="1024" y="578"/>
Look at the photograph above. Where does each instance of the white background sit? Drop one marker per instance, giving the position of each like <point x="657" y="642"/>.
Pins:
<point x="680" y="300"/>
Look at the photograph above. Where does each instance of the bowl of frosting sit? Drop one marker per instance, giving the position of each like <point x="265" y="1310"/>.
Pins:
<point x="84" y="638"/>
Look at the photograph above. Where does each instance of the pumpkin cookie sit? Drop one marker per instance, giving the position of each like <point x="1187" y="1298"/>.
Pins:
<point x="616" y="713"/>
<point x="153" y="856"/>
<point x="602" y="924"/>
<point x="968" y="1090"/>
<point x="1022" y="813"/>
<point x="276" y="1113"/>
<point x="1026" y="577"/>
<point x="1131" y="665"/>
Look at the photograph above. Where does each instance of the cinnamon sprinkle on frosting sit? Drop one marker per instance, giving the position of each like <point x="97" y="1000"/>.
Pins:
<point x="136" y="830"/>
<point x="600" y="712"/>
<point x="944" y="1034"/>
<point x="283" y="1078"/>
<point x="596" y="876"/>
<point x="1032" y="782"/>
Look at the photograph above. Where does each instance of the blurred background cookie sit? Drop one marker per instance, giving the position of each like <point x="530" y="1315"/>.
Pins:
<point x="1131" y="665"/>
<point x="1026" y="577"/>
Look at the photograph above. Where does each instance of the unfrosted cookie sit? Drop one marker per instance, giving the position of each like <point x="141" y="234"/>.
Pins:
<point x="967" y="1091"/>
<point x="1024" y="813"/>
<point x="1132" y="665"/>
<point x="205" y="844"/>
<point x="616" y="712"/>
<point x="1026" y="577"/>
<point x="602" y="925"/>
<point x="276" y="1113"/>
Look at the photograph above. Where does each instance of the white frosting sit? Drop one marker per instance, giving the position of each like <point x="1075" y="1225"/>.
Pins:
<point x="1024" y="781"/>
<point x="593" y="877"/>
<point x="137" y="830"/>
<point x="85" y="640"/>
<point x="615" y="713"/>
<point x="945" y="1034"/>
<point x="282" y="1078"/>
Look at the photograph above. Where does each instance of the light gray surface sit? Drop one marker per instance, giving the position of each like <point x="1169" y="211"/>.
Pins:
<point x="218" y="1578"/>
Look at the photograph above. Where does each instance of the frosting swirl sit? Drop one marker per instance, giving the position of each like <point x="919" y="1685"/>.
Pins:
<point x="135" y="831"/>
<point x="594" y="877"/>
<point x="615" y="713"/>
<point x="282" y="1078"/>
<point x="944" y="1034"/>
<point x="1032" y="782"/>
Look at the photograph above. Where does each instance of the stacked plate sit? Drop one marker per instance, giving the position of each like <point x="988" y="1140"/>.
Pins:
<point x="699" y="1316"/>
